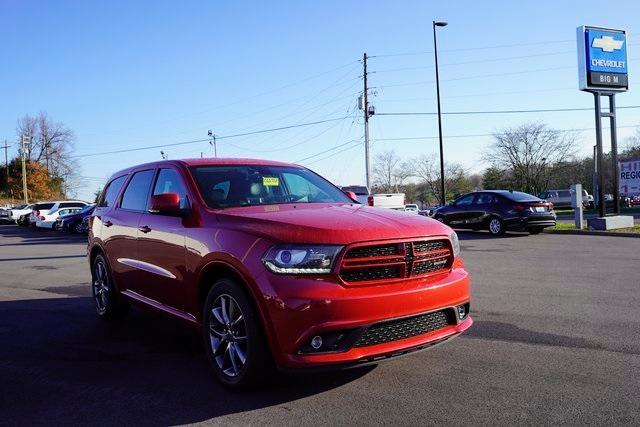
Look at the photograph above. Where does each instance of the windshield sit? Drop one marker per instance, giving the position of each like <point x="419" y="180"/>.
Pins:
<point x="232" y="186"/>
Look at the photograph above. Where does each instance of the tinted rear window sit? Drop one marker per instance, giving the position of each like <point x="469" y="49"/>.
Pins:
<point x="136" y="195"/>
<point x="43" y="206"/>
<point x="564" y="193"/>
<point x="519" y="196"/>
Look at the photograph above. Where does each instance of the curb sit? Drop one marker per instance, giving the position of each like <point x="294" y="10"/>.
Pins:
<point x="593" y="233"/>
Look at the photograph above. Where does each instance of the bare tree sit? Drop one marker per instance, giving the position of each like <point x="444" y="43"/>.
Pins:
<point x="389" y="172"/>
<point x="51" y="144"/>
<point x="427" y="170"/>
<point x="527" y="150"/>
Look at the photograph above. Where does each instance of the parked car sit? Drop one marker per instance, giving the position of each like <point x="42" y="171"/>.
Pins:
<point x="386" y="200"/>
<point x="49" y="220"/>
<point x="41" y="210"/>
<point x="275" y="265"/>
<point x="498" y="211"/>
<point x="74" y="223"/>
<point x="561" y="199"/>
<point x="634" y="201"/>
<point x="23" y="220"/>
<point x="361" y="192"/>
<point x="411" y="207"/>
<point x="17" y="211"/>
<point x="5" y="215"/>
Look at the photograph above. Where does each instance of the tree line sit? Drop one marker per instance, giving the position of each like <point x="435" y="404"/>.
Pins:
<point x="530" y="157"/>
<point x="51" y="170"/>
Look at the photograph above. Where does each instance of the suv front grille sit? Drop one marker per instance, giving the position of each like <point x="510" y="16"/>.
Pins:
<point x="396" y="260"/>
<point x="394" y="330"/>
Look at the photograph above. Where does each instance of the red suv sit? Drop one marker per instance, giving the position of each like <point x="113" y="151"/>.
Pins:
<point x="275" y="265"/>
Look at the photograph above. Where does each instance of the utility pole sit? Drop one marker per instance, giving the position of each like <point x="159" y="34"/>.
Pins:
<point x="213" y="143"/>
<point x="6" y="163"/>
<point x="365" y="107"/>
<point x="25" y="142"/>
<point x="443" y="199"/>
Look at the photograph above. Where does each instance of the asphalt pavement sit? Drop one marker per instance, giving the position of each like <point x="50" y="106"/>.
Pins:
<point x="556" y="339"/>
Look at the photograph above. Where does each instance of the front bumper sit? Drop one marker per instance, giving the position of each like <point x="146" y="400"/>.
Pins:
<point x="299" y="308"/>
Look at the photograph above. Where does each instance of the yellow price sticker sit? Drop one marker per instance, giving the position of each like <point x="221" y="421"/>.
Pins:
<point x="270" y="181"/>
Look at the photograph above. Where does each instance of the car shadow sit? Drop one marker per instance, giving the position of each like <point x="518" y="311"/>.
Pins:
<point x="59" y="362"/>
<point x="23" y="236"/>
<point x="484" y="235"/>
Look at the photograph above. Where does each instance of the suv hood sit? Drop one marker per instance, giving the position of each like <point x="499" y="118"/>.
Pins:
<point x="330" y="223"/>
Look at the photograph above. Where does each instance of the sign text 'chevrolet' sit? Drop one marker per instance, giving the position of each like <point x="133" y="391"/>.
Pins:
<point x="602" y="59"/>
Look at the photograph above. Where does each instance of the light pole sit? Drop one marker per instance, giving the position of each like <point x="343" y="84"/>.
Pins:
<point x="435" y="51"/>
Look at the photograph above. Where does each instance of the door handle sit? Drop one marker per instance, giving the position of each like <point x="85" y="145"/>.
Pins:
<point x="145" y="229"/>
<point x="107" y="223"/>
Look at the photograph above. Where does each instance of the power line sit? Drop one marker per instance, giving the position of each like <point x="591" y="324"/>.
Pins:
<point x="502" y="46"/>
<point x="477" y="135"/>
<point x="468" y="113"/>
<point x="149" y="147"/>
<point x="328" y="150"/>
<point x="479" y="61"/>
<point x="334" y="154"/>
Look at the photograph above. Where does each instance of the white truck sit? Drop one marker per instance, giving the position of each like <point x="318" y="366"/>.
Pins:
<point x="387" y="200"/>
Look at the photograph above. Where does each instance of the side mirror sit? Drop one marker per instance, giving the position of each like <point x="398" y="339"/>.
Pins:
<point x="166" y="204"/>
<point x="352" y="196"/>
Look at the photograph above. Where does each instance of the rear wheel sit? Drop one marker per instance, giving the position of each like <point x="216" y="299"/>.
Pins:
<point x="104" y="293"/>
<point x="233" y="337"/>
<point x="535" y="230"/>
<point x="496" y="226"/>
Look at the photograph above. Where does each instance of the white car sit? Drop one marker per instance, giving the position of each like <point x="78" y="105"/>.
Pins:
<point x="18" y="211"/>
<point x="41" y="210"/>
<point x="48" y="220"/>
<point x="411" y="207"/>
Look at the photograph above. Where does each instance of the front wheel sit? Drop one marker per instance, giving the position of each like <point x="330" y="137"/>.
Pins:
<point x="440" y="218"/>
<point x="233" y="337"/>
<point x="496" y="226"/>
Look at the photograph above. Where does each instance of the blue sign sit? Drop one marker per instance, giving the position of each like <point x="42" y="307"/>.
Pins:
<point x="606" y="51"/>
<point x="602" y="55"/>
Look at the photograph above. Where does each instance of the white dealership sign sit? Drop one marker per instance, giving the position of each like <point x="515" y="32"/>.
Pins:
<point x="629" y="177"/>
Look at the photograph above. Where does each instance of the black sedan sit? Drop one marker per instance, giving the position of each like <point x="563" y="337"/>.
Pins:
<point x="73" y="223"/>
<point x="498" y="211"/>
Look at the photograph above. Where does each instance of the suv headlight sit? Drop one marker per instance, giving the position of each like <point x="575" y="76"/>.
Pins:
<point x="455" y="244"/>
<point x="301" y="259"/>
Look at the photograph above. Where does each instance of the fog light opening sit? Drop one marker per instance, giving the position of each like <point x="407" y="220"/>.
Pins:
<point x="316" y="342"/>
<point x="463" y="311"/>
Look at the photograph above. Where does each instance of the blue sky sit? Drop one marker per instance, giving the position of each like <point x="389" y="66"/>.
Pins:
<point x="133" y="74"/>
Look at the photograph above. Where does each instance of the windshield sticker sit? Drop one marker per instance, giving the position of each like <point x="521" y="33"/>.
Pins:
<point x="270" y="181"/>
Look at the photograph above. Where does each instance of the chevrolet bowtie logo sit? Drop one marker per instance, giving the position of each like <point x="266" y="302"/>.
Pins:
<point x="607" y="43"/>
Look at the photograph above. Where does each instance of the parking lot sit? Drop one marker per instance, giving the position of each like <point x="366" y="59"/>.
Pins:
<point x="556" y="339"/>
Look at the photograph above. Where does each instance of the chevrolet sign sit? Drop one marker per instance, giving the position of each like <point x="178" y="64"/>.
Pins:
<point x="602" y="56"/>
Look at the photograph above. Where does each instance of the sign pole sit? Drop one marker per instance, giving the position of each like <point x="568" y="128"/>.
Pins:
<point x="601" y="201"/>
<point x="614" y="154"/>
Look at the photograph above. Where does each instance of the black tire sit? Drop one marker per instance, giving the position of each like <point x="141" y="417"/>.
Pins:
<point x="222" y="337"/>
<point x="440" y="218"/>
<point x="535" y="230"/>
<point x="496" y="226"/>
<point x="105" y="294"/>
<point x="77" y="228"/>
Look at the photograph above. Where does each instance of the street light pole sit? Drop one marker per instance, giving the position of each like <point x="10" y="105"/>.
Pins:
<point x="443" y="198"/>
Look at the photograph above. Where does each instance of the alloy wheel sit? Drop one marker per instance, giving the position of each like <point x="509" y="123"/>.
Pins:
<point x="495" y="226"/>
<point x="228" y="335"/>
<point x="100" y="285"/>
